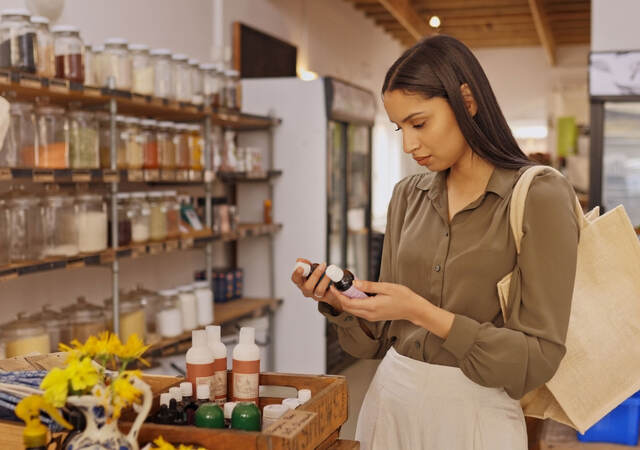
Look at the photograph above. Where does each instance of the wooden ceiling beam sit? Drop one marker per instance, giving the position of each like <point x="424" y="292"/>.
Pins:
<point x="472" y="21"/>
<point x="544" y="30"/>
<point x="462" y="4"/>
<point x="476" y="12"/>
<point x="408" y="17"/>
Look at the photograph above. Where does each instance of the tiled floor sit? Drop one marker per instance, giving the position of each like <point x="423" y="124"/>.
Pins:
<point x="359" y="377"/>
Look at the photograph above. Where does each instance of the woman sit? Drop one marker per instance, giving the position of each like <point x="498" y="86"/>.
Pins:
<point x="453" y="368"/>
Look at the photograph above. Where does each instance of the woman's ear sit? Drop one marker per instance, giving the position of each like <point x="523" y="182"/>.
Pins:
<point x="469" y="99"/>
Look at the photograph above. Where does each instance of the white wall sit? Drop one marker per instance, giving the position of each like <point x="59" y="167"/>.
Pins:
<point x="614" y="25"/>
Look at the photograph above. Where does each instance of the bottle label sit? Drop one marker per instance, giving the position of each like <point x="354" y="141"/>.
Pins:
<point x="220" y="381"/>
<point x="353" y="292"/>
<point x="246" y="379"/>
<point x="201" y="374"/>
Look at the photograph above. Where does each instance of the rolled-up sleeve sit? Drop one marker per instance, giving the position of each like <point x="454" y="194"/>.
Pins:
<point x="526" y="352"/>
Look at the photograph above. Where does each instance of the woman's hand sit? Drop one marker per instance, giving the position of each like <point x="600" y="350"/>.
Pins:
<point x="316" y="286"/>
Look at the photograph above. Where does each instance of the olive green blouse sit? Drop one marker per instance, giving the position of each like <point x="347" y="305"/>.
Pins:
<point x="456" y="265"/>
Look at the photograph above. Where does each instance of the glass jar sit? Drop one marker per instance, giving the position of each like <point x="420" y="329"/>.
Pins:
<point x="232" y="90"/>
<point x="188" y="307"/>
<point x="204" y="297"/>
<point x="53" y="138"/>
<point x="169" y="317"/>
<point x="97" y="73"/>
<point x="149" y="144"/>
<point x="56" y="324"/>
<point x="173" y="213"/>
<point x="135" y="152"/>
<point x="123" y="220"/>
<point x="142" y="67"/>
<point x="5" y="221"/>
<point x="140" y="214"/>
<point x="84" y="152"/>
<point x="132" y="317"/>
<point x="91" y="222"/>
<point x="158" y="229"/>
<point x="68" y="48"/>
<point x="163" y="75"/>
<point x="122" y="138"/>
<point x="18" y="149"/>
<point x="181" y="143"/>
<point x="210" y="84"/>
<point x="88" y="62"/>
<point x="166" y="147"/>
<point x="116" y="63"/>
<point x="46" y="66"/>
<point x="24" y="336"/>
<point x="18" y="41"/>
<point x="104" y="139"/>
<point x="86" y="319"/>
<point x="26" y="226"/>
<point x="196" y="81"/>
<point x="60" y="228"/>
<point x="181" y="78"/>
<point x="196" y="144"/>
<point x="150" y="303"/>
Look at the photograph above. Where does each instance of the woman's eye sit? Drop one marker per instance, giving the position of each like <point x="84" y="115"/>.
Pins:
<point x="418" y="125"/>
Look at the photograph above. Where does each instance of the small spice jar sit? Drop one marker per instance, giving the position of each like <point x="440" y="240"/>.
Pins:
<point x="181" y="143"/>
<point x="134" y="150"/>
<point x="18" y="41"/>
<point x="196" y="144"/>
<point x="19" y="148"/>
<point x="24" y="336"/>
<point x="123" y="220"/>
<point x="91" y="222"/>
<point x="196" y="82"/>
<point x="232" y="91"/>
<point x="158" y="229"/>
<point x="68" y="49"/>
<point x="116" y="64"/>
<point x="163" y="72"/>
<point x="53" y="138"/>
<point x="46" y="56"/>
<point x="188" y="307"/>
<point x="149" y="144"/>
<point x="140" y="214"/>
<point x="166" y="146"/>
<point x="132" y="316"/>
<point x="142" y="67"/>
<point x="204" y="297"/>
<point x="86" y="319"/>
<point x="104" y="139"/>
<point x="181" y="78"/>
<point x="84" y="152"/>
<point x="26" y="225"/>
<point x="56" y="324"/>
<point x="97" y="73"/>
<point x="169" y="317"/>
<point x="60" y="227"/>
<point x="150" y="303"/>
<point x="173" y="213"/>
<point x="210" y="84"/>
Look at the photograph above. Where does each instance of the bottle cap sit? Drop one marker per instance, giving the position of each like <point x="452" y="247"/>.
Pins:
<point x="228" y="409"/>
<point x="203" y="391"/>
<point x="186" y="389"/>
<point x="138" y="47"/>
<point x="180" y="57"/>
<point x="305" y="267"/>
<point x="65" y="29"/>
<point x="207" y="66"/>
<point x="291" y="403"/>
<point x="160" y="52"/>
<point x="199" y="338"/>
<point x="247" y="335"/>
<point x="334" y="273"/>
<point x="39" y="19"/>
<point x="165" y="398"/>
<point x="246" y="416"/>
<point x="200" y="284"/>
<point x="176" y="393"/>
<point x="274" y="411"/>
<point x="15" y="12"/>
<point x="185" y="288"/>
<point x="213" y="333"/>
<point x="167" y="292"/>
<point x="304" y="395"/>
<point x="116" y="41"/>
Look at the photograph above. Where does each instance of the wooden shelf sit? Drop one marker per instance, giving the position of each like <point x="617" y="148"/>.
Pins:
<point x="184" y="242"/>
<point x="243" y="177"/>
<point x="224" y="313"/>
<point x="29" y="87"/>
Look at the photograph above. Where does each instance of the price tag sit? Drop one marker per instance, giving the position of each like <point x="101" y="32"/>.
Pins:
<point x="151" y="175"/>
<point x="110" y="176"/>
<point x="209" y="176"/>
<point x="75" y="264"/>
<point x="155" y="248"/>
<point x="182" y="175"/>
<point x="30" y="82"/>
<point x="195" y="175"/>
<point x="61" y="86"/>
<point x="186" y="244"/>
<point x="92" y="92"/>
<point x="135" y="175"/>
<point x="107" y="257"/>
<point x="171" y="246"/>
<point x="43" y="175"/>
<point x="5" y="174"/>
<point x="81" y="176"/>
<point x="168" y="175"/>
<point x="138" y="251"/>
<point x="292" y="423"/>
<point x="5" y="77"/>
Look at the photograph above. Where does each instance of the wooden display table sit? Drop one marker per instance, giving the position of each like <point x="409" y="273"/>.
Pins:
<point x="555" y="436"/>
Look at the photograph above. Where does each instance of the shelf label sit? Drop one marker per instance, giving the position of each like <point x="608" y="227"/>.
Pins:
<point x="107" y="257"/>
<point x="5" y="174"/>
<point x="209" y="176"/>
<point x="171" y="246"/>
<point x="76" y="264"/>
<point x="57" y="85"/>
<point x="110" y="176"/>
<point x="168" y="175"/>
<point x="182" y="175"/>
<point x="138" y="251"/>
<point x="92" y="92"/>
<point x="81" y="176"/>
<point x="135" y="175"/>
<point x="186" y="244"/>
<point x="151" y="175"/>
<point x="43" y="175"/>
<point x="9" y="276"/>
<point x="30" y="81"/>
<point x="5" y="77"/>
<point x="195" y="175"/>
<point x="292" y="423"/>
<point x="155" y="248"/>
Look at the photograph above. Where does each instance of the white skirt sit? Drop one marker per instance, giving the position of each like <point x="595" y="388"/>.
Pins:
<point x="416" y="405"/>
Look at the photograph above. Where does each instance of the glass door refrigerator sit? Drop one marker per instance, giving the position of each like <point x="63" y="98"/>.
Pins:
<point x="614" y="85"/>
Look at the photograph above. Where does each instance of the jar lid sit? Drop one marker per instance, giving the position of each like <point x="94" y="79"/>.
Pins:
<point x="207" y="66"/>
<point x="39" y="20"/>
<point x="22" y="327"/>
<point x="274" y="411"/>
<point x="65" y="29"/>
<point x="123" y="195"/>
<point x="185" y="288"/>
<point x="48" y="316"/>
<point x="49" y="109"/>
<point x="80" y="113"/>
<point x="156" y="194"/>
<point x="132" y="120"/>
<point x="20" y="106"/>
<point x="15" y="12"/>
<point x="83" y="311"/>
<point x="179" y="57"/>
<point x="149" y="122"/>
<point x="168" y="292"/>
<point x="138" y="47"/>
<point x="86" y="196"/>
<point x="138" y="195"/>
<point x="97" y="48"/>
<point x="116" y="41"/>
<point x="121" y="118"/>
<point x="193" y="62"/>
<point x="182" y="126"/>
<point x="165" y="124"/>
<point x="160" y="52"/>
<point x="128" y="303"/>
<point x="232" y="73"/>
<point x="201" y="284"/>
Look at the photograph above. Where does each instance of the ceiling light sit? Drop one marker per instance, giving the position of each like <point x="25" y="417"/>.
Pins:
<point x="434" y="22"/>
<point x="307" y="75"/>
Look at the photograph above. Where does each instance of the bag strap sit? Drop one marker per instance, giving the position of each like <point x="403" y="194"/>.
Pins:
<point x="519" y="197"/>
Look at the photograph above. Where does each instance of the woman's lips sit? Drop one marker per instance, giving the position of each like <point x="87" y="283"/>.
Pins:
<point x="422" y="160"/>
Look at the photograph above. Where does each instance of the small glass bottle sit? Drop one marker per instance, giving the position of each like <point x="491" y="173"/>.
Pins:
<point x="116" y="63"/>
<point x="232" y="92"/>
<point x="18" y="41"/>
<point x="181" y="78"/>
<point x="104" y="139"/>
<point x="166" y="147"/>
<point x="26" y="226"/>
<point x="188" y="401"/>
<point x="19" y="148"/>
<point x="122" y="139"/>
<point x="173" y="214"/>
<point x="52" y="137"/>
<point x="96" y="67"/>
<point x="46" y="56"/>
<point x="343" y="281"/>
<point x="169" y="318"/>
<point x="158" y="216"/>
<point x="149" y="143"/>
<point x="61" y="231"/>
<point x="196" y="82"/>
<point x="69" y="50"/>
<point x="163" y="75"/>
<point x="228" y="413"/>
<point x="142" y="66"/>
<point x="89" y="71"/>
<point x="91" y="222"/>
<point x="122" y="221"/>
<point x="134" y="150"/>
<point x="196" y="144"/>
<point x="163" y="416"/>
<point x="140" y="218"/>
<point x="181" y="143"/>
<point x="84" y="151"/>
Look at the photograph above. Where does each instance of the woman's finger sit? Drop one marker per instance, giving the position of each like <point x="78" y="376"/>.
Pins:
<point x="313" y="279"/>
<point x="372" y="287"/>
<point x="321" y="289"/>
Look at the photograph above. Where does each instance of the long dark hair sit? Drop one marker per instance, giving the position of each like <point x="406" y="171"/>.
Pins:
<point x="437" y="67"/>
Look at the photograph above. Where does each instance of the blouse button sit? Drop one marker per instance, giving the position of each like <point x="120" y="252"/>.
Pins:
<point x="437" y="268"/>
<point x="447" y="234"/>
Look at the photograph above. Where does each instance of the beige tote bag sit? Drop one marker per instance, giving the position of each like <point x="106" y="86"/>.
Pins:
<point x="601" y="367"/>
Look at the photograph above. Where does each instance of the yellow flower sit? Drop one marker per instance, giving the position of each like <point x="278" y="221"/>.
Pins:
<point x="29" y="409"/>
<point x="82" y="374"/>
<point x="133" y="349"/>
<point x="56" y="387"/>
<point x="124" y="393"/>
<point x="161" y="444"/>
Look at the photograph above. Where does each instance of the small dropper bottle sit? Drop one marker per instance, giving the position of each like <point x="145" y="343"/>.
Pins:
<point x="343" y="281"/>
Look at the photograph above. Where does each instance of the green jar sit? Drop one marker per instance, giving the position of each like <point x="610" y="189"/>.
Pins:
<point x="246" y="416"/>
<point x="209" y="415"/>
